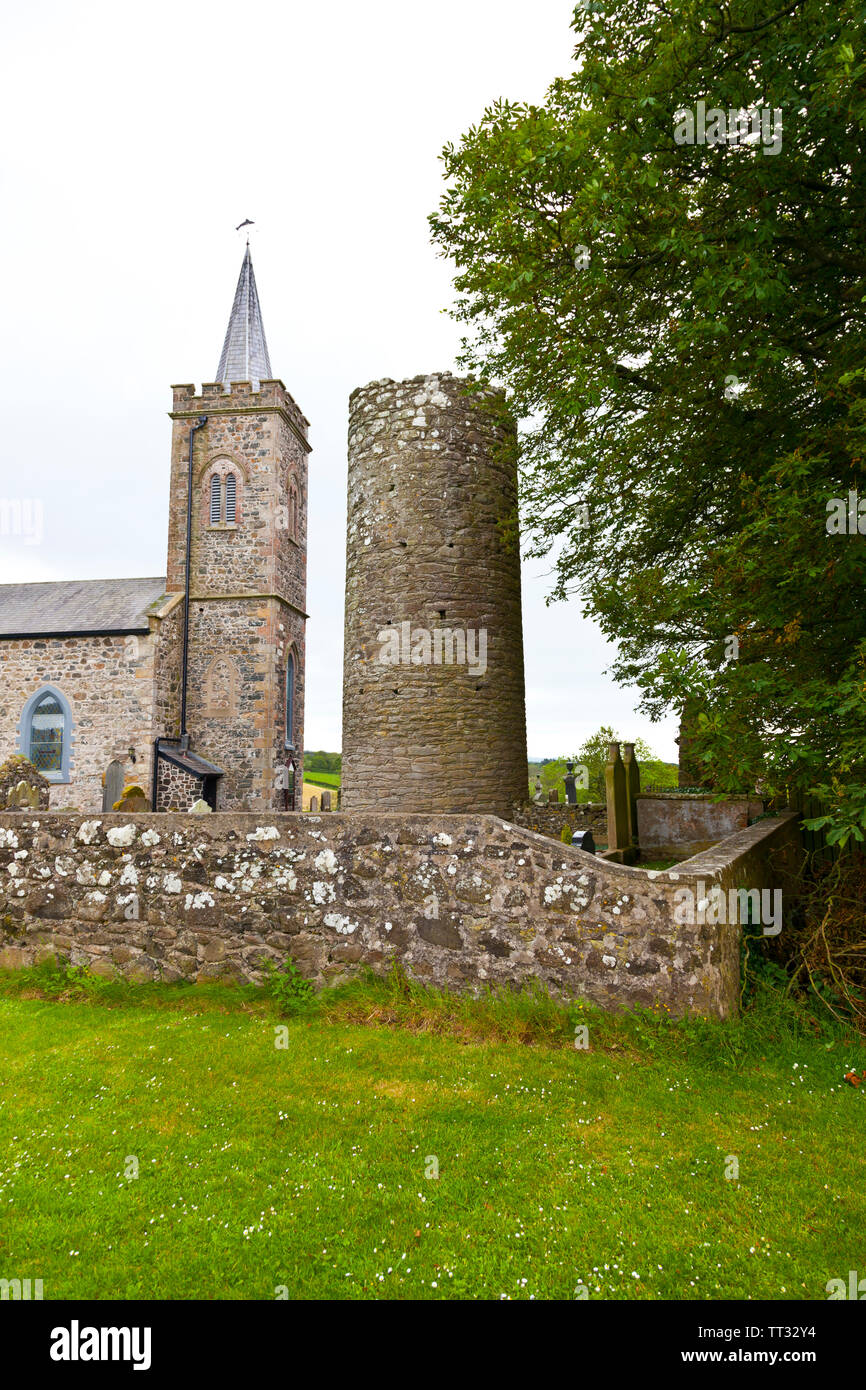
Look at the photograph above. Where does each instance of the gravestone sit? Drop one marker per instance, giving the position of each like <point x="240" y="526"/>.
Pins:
<point x="314" y="805"/>
<point x="326" y="801"/>
<point x="132" y="801"/>
<point x="617" y="801"/>
<point x="553" y="798"/>
<point x="199" y="808"/>
<point x="539" y="791"/>
<point x="632" y="784"/>
<point x="570" y="785"/>
<point x="23" y="797"/>
<point x="112" y="785"/>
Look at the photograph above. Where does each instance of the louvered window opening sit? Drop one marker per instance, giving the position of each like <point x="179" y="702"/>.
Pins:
<point x="215" y="501"/>
<point x="231" y="497"/>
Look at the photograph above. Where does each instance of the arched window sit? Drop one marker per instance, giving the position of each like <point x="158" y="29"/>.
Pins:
<point x="290" y="701"/>
<point x="294" y="510"/>
<point x="46" y="733"/>
<point x="222" y="496"/>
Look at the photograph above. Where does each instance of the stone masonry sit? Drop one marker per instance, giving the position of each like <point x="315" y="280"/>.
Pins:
<point x="249" y="580"/>
<point x="461" y="901"/>
<point x="432" y="561"/>
<point x="112" y="686"/>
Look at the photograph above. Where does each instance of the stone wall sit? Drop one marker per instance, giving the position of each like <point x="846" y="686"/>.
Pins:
<point x="676" y="825"/>
<point x="177" y="789"/>
<point x="109" y="685"/>
<point x="462" y="901"/>
<point x="248" y="581"/>
<point x="432" y="555"/>
<point x="549" y="817"/>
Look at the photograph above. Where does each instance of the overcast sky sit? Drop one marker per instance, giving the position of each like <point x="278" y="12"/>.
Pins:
<point x="135" y="139"/>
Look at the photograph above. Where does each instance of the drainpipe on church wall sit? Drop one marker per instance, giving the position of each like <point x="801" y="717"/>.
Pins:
<point x="184" y="736"/>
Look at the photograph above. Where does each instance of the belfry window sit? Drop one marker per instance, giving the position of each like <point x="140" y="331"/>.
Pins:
<point x="223" y="499"/>
<point x="46" y="733"/>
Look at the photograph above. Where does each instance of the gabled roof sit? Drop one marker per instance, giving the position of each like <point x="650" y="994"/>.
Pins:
<point x="245" y="351"/>
<point x="78" y="607"/>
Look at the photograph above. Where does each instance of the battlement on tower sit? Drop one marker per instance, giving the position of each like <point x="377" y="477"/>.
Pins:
<point x="214" y="398"/>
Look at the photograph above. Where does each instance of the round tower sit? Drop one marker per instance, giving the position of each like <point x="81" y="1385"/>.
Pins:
<point x="434" y="715"/>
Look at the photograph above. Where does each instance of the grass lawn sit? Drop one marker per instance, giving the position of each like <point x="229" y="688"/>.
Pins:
<point x="310" y="1166"/>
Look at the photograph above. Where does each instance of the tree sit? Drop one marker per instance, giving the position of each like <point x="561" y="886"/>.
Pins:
<point x="684" y="328"/>
<point x="593" y="756"/>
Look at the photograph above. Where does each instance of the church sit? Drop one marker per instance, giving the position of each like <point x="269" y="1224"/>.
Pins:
<point x="189" y="685"/>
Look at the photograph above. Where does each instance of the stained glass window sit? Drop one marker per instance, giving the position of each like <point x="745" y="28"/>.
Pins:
<point x="47" y="728"/>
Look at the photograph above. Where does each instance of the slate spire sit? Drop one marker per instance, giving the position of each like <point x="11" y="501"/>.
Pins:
<point x="245" y="350"/>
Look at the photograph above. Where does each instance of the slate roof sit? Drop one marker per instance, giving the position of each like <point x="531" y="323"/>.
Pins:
<point x="191" y="762"/>
<point x="77" y="607"/>
<point x="245" y="351"/>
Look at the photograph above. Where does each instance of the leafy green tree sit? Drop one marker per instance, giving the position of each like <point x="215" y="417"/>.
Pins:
<point x="683" y="327"/>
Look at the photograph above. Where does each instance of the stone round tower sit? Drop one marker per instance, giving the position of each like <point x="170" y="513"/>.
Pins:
<point x="434" y="715"/>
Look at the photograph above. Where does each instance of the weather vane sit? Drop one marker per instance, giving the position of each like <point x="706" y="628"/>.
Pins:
<point x="249" y="223"/>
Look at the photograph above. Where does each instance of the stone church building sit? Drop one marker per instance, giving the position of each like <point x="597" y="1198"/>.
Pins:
<point x="189" y="685"/>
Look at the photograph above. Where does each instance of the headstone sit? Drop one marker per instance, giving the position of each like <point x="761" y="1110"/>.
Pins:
<point x="199" y="808"/>
<point x="133" y="800"/>
<point x="23" y="797"/>
<point x="632" y="784"/>
<point x="570" y="785"/>
<point x="553" y="798"/>
<point x="539" y="791"/>
<point x="113" y="784"/>
<point x="617" y="801"/>
<point x="314" y="805"/>
<point x="582" y="839"/>
<point x="326" y="801"/>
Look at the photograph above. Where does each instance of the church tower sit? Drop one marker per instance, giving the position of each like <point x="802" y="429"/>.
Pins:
<point x="244" y="705"/>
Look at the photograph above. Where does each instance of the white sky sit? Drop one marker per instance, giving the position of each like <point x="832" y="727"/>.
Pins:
<point x="135" y="139"/>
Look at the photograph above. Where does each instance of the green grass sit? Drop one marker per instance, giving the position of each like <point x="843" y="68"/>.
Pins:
<point x="304" y="1166"/>
<point x="323" y="779"/>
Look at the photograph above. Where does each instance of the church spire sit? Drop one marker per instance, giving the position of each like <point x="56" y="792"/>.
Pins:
<point x="245" y="350"/>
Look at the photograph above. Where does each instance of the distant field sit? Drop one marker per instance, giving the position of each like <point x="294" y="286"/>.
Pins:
<point x="323" y="779"/>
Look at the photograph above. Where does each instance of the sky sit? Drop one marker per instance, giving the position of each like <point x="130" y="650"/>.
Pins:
<point x="136" y="139"/>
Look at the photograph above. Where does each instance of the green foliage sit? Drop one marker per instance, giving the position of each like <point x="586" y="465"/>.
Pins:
<point x="291" y="990"/>
<point x="566" y="836"/>
<point x="696" y="394"/>
<point x="322" y="762"/>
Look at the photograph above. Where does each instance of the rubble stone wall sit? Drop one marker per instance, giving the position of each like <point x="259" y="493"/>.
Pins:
<point x="461" y="901"/>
